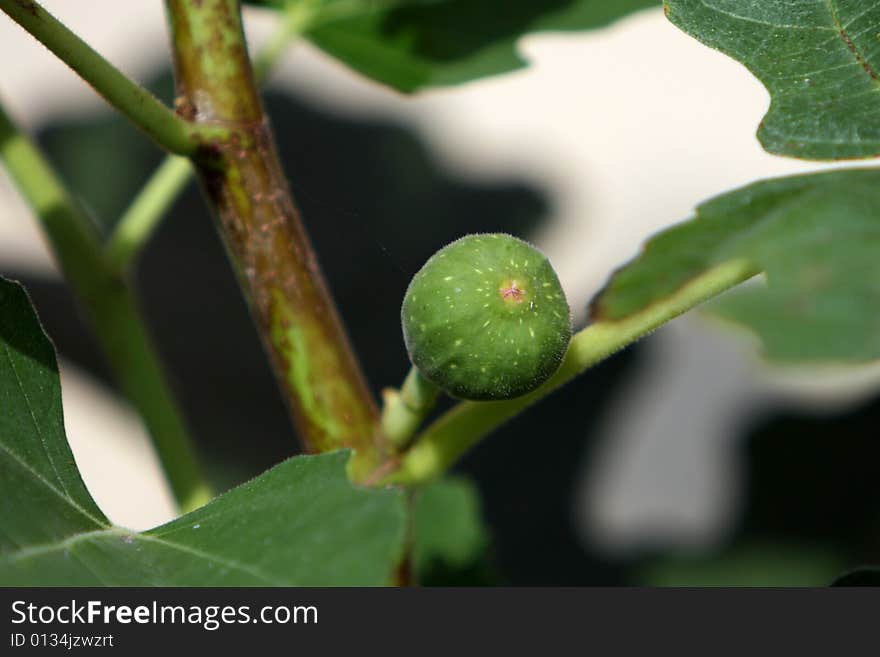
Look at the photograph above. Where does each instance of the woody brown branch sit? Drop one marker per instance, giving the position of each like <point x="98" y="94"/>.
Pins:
<point x="265" y="237"/>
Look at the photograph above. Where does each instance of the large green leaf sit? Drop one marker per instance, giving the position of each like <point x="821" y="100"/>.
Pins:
<point x="816" y="236"/>
<point x="37" y="472"/>
<point x="300" y="524"/>
<point x="413" y="44"/>
<point x="819" y="59"/>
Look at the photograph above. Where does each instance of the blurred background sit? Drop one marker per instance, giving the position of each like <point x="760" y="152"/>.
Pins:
<point x="682" y="460"/>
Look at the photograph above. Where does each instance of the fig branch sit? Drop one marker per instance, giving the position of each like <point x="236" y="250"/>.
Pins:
<point x="143" y="216"/>
<point x="264" y="235"/>
<point x="444" y="441"/>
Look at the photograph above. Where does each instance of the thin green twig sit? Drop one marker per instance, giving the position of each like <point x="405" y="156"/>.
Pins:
<point x="405" y="410"/>
<point x="143" y="215"/>
<point x="145" y="110"/>
<point x="293" y="23"/>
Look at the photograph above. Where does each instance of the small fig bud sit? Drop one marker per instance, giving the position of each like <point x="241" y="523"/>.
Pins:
<point x="486" y="318"/>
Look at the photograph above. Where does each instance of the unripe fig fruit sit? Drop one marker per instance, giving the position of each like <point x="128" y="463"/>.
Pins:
<point x="486" y="318"/>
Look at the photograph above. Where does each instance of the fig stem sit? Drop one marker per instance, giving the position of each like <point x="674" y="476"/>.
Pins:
<point x="405" y="410"/>
<point x="445" y="440"/>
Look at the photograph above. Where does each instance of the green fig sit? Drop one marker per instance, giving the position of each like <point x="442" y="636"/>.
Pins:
<point x="486" y="318"/>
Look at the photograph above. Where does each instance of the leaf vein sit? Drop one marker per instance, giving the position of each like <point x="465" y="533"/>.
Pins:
<point x="63" y="544"/>
<point x="211" y="557"/>
<point x="71" y="541"/>
<point x="24" y="465"/>
<point x="33" y="416"/>
<point x="750" y="19"/>
<point x="847" y="40"/>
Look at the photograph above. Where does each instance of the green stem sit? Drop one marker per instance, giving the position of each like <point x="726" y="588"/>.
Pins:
<point x="444" y="441"/>
<point x="293" y="23"/>
<point x="110" y="307"/>
<point x="159" y="122"/>
<point x="144" y="215"/>
<point x="406" y="409"/>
